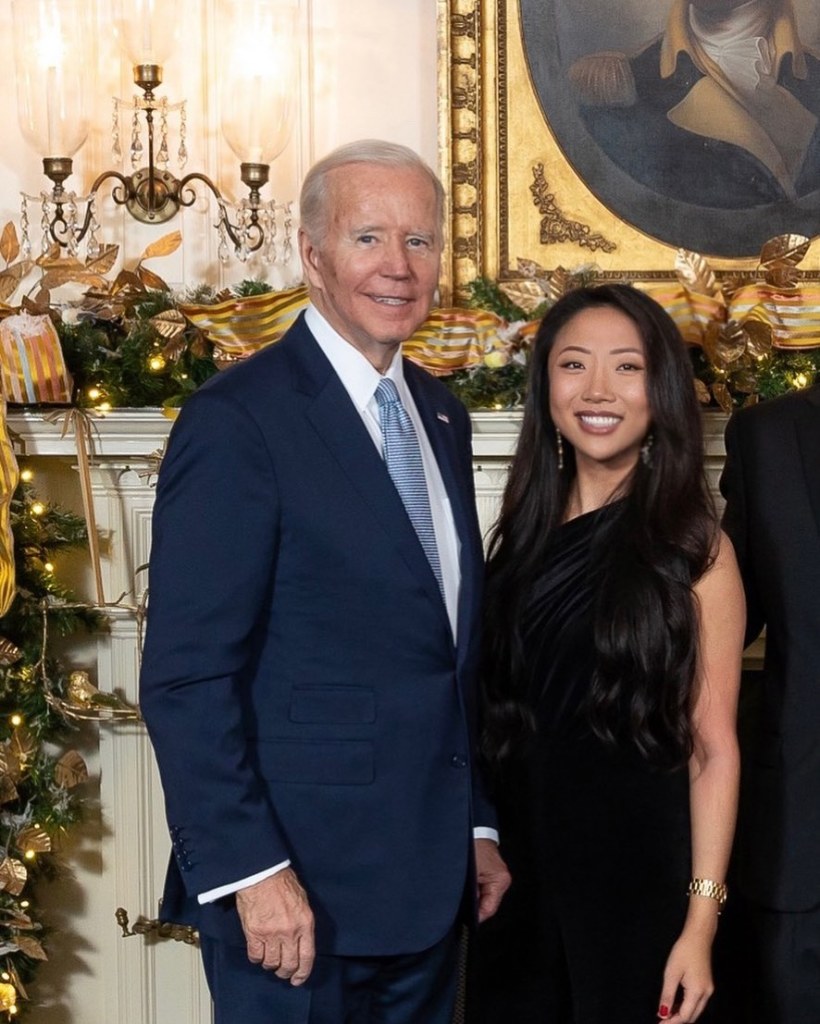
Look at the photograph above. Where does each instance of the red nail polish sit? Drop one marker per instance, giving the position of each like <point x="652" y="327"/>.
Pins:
<point x="663" y="1011"/>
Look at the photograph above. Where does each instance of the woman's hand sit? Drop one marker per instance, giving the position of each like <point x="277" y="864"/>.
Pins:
<point x="688" y="968"/>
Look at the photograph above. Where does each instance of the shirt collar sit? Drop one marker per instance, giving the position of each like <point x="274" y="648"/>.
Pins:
<point x="359" y="377"/>
<point x="783" y="39"/>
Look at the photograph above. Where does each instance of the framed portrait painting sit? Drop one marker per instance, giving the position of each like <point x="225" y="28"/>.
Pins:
<point x="615" y="132"/>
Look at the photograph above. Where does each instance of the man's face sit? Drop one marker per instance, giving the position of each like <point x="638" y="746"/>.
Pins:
<point x="374" y="274"/>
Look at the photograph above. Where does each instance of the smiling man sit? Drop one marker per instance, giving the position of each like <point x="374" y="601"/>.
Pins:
<point x="312" y="641"/>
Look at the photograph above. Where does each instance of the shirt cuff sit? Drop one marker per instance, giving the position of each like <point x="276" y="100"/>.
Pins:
<point x="243" y="883"/>
<point x="486" y="833"/>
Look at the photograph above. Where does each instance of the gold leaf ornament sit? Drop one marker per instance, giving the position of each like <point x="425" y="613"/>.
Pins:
<point x="9" y="764"/>
<point x="29" y="946"/>
<point x="169" y="324"/>
<point x="724" y="344"/>
<point x="22" y="747"/>
<point x="70" y="770"/>
<point x="9" y="653"/>
<point x="8" y="790"/>
<point x="104" y="260"/>
<point x="702" y="392"/>
<point x="13" y="875"/>
<point x="15" y="979"/>
<point x="759" y="338"/>
<point x="694" y="272"/>
<point x="784" y="249"/>
<point x="162" y="246"/>
<point x="527" y="293"/>
<point x="33" y="839"/>
<point x="723" y="397"/>
<point x="9" y="243"/>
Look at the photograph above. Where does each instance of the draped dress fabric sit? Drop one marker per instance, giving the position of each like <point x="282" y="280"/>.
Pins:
<point x="597" y="841"/>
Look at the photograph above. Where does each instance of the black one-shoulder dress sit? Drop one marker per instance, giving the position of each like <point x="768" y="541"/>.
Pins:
<point x="597" y="841"/>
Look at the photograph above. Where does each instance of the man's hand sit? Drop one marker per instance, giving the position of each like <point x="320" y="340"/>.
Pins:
<point x="278" y="925"/>
<point x="492" y="876"/>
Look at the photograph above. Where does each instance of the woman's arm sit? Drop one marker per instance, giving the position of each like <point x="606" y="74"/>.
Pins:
<point x="714" y="772"/>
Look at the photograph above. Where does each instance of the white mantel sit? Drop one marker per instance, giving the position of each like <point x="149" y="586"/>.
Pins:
<point x="119" y="858"/>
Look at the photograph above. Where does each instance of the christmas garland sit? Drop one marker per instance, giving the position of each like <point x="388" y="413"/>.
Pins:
<point x="40" y="776"/>
<point x="133" y="342"/>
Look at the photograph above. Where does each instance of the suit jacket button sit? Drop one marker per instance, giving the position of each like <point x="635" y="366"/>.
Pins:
<point x="458" y="761"/>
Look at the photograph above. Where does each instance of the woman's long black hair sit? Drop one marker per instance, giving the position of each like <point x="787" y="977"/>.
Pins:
<point x="645" y="619"/>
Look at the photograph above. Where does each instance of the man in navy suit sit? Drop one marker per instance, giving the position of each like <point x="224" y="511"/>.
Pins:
<point x="771" y="483"/>
<point x="308" y="671"/>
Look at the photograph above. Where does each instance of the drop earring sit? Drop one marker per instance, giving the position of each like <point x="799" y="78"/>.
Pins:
<point x="646" y="450"/>
<point x="559" y="445"/>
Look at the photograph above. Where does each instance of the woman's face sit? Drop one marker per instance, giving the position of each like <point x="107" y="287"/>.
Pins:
<point x="598" y="398"/>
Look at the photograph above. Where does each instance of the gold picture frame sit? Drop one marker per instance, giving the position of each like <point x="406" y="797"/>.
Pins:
<point x="512" y="192"/>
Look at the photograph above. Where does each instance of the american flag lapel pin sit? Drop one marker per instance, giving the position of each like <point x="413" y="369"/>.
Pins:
<point x="443" y="417"/>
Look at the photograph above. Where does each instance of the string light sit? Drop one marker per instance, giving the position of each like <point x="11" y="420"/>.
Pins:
<point x="156" y="364"/>
<point x="48" y="566"/>
<point x="26" y="475"/>
<point x="800" y="380"/>
<point x="16" y="720"/>
<point x="94" y="393"/>
<point x="37" y="508"/>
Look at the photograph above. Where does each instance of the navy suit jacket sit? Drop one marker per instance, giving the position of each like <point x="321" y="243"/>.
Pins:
<point x="300" y="682"/>
<point x="771" y="482"/>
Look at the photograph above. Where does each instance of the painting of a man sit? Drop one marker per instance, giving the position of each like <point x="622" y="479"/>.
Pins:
<point x="707" y="135"/>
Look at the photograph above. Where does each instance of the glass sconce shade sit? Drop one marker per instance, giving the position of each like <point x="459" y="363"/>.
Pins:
<point x="148" y="30"/>
<point x="258" y="77"/>
<point x="53" y="61"/>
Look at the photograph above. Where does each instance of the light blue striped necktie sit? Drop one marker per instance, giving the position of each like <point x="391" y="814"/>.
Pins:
<point x="402" y="456"/>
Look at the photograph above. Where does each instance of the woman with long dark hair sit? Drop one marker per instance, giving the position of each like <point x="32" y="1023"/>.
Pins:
<point x="614" y="632"/>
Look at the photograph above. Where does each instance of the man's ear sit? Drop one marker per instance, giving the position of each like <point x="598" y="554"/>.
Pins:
<point x="311" y="258"/>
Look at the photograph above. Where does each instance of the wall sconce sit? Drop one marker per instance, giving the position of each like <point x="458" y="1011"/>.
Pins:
<point x="257" y="74"/>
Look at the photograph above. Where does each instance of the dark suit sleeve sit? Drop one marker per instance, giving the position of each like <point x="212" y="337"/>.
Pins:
<point x="484" y="814"/>
<point x="213" y="557"/>
<point x="733" y="487"/>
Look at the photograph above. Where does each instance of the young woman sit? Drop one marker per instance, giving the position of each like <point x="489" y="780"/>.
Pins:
<point x="614" y="632"/>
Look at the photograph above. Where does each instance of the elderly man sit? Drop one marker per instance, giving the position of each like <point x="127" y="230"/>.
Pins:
<point x="721" y="111"/>
<point x="312" y="640"/>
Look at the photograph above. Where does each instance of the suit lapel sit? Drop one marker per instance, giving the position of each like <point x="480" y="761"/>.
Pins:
<point x="807" y="426"/>
<point x="339" y="426"/>
<point x="442" y="436"/>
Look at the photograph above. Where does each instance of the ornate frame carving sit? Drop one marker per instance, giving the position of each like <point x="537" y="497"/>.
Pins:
<point x="512" y="197"/>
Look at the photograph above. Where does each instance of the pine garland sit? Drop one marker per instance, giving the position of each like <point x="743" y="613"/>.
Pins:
<point x="39" y="798"/>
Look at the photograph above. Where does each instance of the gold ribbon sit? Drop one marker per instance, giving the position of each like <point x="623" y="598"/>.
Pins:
<point x="238" y="327"/>
<point x="79" y="422"/>
<point x="793" y="313"/>
<point x="692" y="311"/>
<point x="452" y="339"/>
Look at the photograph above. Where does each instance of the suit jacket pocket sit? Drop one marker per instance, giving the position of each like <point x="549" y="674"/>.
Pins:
<point x="336" y="705"/>
<point x="317" y="762"/>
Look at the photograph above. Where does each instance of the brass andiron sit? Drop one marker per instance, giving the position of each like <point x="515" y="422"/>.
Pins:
<point x="160" y="929"/>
